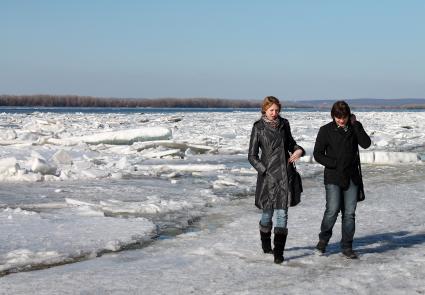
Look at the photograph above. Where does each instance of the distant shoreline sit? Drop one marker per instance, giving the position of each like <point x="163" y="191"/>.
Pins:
<point x="72" y="101"/>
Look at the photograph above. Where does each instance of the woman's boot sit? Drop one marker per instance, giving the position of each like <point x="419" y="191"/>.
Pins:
<point x="265" y="234"/>
<point x="280" y="235"/>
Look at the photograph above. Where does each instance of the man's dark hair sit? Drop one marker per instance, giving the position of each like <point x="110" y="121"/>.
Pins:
<point x="340" y="109"/>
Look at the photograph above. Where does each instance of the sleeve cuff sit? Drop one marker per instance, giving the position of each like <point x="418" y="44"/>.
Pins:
<point x="297" y="147"/>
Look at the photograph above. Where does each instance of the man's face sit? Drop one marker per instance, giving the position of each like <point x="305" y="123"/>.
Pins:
<point x="341" y="122"/>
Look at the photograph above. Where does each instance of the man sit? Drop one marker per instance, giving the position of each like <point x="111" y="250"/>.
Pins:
<point x="336" y="148"/>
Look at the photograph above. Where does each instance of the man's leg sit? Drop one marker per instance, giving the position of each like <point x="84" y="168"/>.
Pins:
<point x="349" y="220"/>
<point x="333" y="206"/>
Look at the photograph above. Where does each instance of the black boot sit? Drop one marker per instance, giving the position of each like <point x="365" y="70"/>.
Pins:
<point x="280" y="235"/>
<point x="265" y="234"/>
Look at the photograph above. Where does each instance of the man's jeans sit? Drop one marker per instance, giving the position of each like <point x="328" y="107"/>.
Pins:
<point x="281" y="217"/>
<point x="346" y="202"/>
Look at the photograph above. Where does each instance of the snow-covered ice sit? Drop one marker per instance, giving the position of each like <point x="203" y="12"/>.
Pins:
<point x="80" y="190"/>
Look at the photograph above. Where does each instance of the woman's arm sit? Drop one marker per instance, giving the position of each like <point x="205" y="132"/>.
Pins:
<point x="292" y="144"/>
<point x="253" y="151"/>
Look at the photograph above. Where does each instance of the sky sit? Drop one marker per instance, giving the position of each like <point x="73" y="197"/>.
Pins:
<point x="235" y="49"/>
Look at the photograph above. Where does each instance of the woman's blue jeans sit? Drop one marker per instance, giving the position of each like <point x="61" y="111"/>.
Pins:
<point x="346" y="202"/>
<point x="281" y="217"/>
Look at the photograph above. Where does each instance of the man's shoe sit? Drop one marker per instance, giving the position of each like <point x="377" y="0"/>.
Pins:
<point x="349" y="254"/>
<point x="321" y="247"/>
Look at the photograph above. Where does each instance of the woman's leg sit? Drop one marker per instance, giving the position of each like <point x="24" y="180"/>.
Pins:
<point x="266" y="230"/>
<point x="281" y="218"/>
<point x="266" y="218"/>
<point x="280" y="234"/>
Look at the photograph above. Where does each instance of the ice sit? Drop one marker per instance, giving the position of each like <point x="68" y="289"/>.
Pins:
<point x="64" y="141"/>
<point x="61" y="157"/>
<point x="227" y="242"/>
<point x="117" y="137"/>
<point x="382" y="157"/>
<point x="183" y="146"/>
<point x="49" y="239"/>
<point x="182" y="168"/>
<point x="179" y="191"/>
<point x="9" y="166"/>
<point x="94" y="173"/>
<point x="40" y="165"/>
<point x="7" y="134"/>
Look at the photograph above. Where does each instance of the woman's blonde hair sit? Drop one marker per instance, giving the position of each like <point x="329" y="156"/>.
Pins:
<point x="268" y="102"/>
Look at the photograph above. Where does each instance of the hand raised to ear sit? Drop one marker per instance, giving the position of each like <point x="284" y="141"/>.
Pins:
<point x="353" y="118"/>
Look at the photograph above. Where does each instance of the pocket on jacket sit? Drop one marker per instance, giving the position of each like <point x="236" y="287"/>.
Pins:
<point x="270" y="183"/>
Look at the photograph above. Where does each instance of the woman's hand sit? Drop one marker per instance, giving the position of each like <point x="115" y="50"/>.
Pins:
<point x="295" y="156"/>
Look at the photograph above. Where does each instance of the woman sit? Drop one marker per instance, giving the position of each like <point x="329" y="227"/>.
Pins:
<point x="272" y="134"/>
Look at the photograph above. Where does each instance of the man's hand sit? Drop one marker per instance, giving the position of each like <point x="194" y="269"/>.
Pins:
<point x="353" y="118"/>
<point x="295" y="156"/>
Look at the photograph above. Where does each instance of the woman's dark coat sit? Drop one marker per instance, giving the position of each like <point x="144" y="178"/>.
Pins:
<point x="337" y="149"/>
<point x="272" y="181"/>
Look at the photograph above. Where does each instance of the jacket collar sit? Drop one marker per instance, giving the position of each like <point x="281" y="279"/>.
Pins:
<point x="336" y="128"/>
<point x="262" y="125"/>
<point x="281" y="123"/>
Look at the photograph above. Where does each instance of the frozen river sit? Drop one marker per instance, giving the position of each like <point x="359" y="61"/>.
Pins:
<point x="80" y="190"/>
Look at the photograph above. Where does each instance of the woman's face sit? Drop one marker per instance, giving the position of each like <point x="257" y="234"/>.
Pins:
<point x="272" y="112"/>
<point x="341" y="122"/>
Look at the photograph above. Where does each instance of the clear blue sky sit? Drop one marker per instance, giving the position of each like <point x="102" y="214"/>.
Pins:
<point x="228" y="49"/>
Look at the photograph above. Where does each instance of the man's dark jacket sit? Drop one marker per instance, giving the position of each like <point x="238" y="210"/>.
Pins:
<point x="336" y="149"/>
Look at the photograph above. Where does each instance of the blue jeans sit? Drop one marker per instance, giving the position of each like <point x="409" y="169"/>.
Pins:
<point x="346" y="202"/>
<point x="281" y="217"/>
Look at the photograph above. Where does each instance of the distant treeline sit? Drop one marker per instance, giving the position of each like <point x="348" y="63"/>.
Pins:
<point x="369" y="103"/>
<point x="102" y="102"/>
<point x="89" y="101"/>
